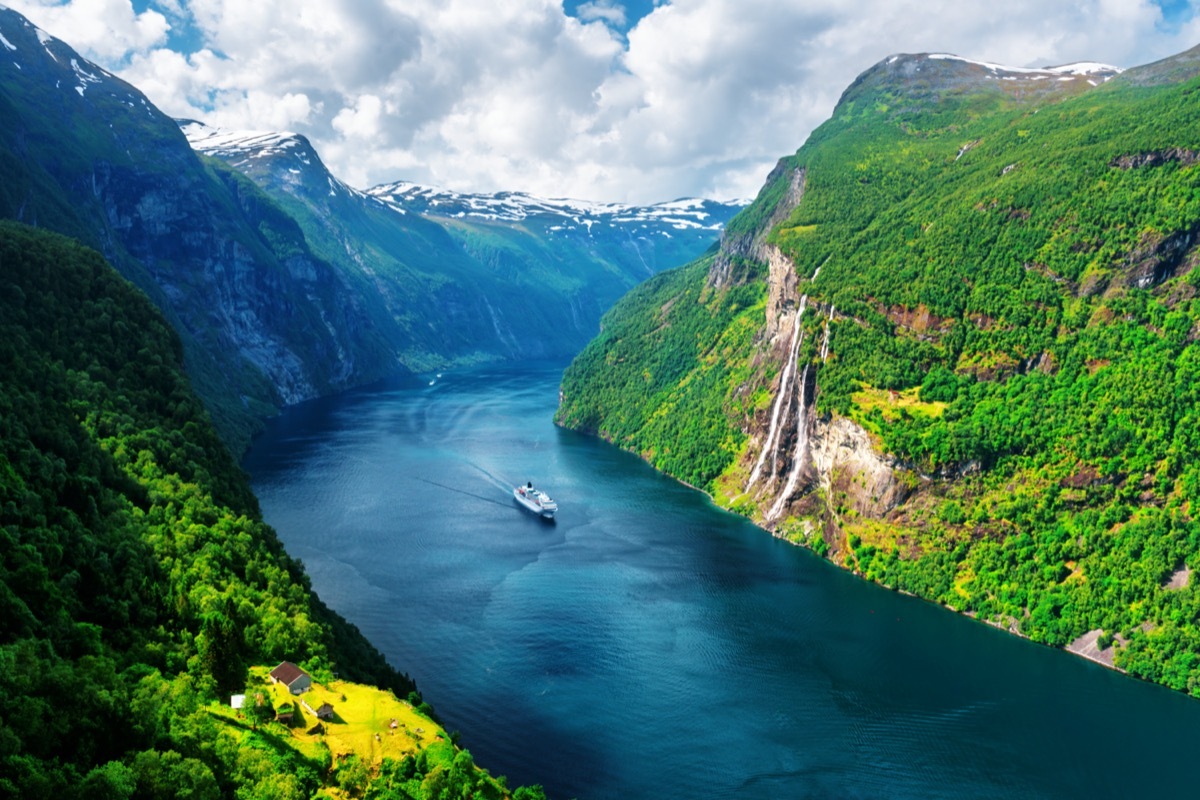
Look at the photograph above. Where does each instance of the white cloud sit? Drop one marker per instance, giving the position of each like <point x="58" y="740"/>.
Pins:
<point x="699" y="97"/>
<point x="605" y="10"/>
<point x="106" y="30"/>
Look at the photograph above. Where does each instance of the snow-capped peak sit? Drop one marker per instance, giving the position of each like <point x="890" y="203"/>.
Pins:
<point x="242" y="148"/>
<point x="1090" y="69"/>
<point x="218" y="141"/>
<point x="517" y="206"/>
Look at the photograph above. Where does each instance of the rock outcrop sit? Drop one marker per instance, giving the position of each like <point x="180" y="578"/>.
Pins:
<point x="846" y="465"/>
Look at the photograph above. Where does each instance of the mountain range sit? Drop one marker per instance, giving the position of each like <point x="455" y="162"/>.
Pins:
<point x="457" y="279"/>
<point x="283" y="282"/>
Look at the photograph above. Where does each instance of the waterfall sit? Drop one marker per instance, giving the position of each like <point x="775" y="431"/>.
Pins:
<point x="816" y="272"/>
<point x="825" y="341"/>
<point x="787" y="407"/>
<point x="788" y="368"/>
<point x="800" y="451"/>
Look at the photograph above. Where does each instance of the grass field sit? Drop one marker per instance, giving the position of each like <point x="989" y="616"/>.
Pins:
<point x="892" y="403"/>
<point x="361" y="724"/>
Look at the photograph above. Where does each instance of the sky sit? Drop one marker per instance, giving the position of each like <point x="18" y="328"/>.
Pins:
<point x="608" y="100"/>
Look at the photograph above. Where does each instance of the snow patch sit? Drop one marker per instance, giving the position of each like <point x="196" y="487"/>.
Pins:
<point x="683" y="213"/>
<point x="1078" y="69"/>
<point x="7" y="43"/>
<point x="45" y="39"/>
<point x="85" y="78"/>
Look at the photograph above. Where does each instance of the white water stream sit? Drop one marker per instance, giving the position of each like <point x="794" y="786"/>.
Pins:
<point x="788" y="368"/>
<point x="825" y="341"/>
<point x="800" y="450"/>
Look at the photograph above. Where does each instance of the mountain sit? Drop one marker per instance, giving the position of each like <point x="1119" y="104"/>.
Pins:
<point x="264" y="321"/>
<point x="459" y="278"/>
<point x="952" y="346"/>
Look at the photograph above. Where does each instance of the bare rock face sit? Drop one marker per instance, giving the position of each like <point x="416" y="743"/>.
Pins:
<point x="751" y="245"/>
<point x="845" y="462"/>
<point x="1159" y="258"/>
<point x="781" y="288"/>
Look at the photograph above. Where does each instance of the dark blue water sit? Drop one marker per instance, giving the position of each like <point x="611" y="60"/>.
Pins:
<point x="648" y="645"/>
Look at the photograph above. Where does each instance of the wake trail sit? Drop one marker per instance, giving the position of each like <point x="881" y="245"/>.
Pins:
<point x="463" y="491"/>
<point x="497" y="482"/>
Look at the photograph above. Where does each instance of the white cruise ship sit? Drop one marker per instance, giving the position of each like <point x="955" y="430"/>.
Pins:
<point x="535" y="500"/>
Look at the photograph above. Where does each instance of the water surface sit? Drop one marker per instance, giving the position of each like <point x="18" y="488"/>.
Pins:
<point x="649" y="645"/>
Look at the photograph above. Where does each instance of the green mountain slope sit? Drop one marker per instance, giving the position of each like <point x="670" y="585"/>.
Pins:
<point x="990" y="398"/>
<point x="137" y="580"/>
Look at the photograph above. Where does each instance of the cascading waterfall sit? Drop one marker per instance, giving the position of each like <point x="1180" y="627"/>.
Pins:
<point x="783" y="422"/>
<point x="788" y="368"/>
<point x="825" y="341"/>
<point x="816" y="272"/>
<point x="787" y="406"/>
<point x="800" y="450"/>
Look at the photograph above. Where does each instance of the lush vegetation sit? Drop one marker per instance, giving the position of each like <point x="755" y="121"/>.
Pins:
<point x="1016" y="269"/>
<point x="137" y="580"/>
<point x="665" y="358"/>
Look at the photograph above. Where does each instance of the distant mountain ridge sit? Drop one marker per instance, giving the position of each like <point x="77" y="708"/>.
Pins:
<point x="240" y="148"/>
<point x="683" y="214"/>
<point x="456" y="278"/>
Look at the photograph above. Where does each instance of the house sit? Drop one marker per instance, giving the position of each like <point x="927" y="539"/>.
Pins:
<point x="295" y="679"/>
<point x="323" y="711"/>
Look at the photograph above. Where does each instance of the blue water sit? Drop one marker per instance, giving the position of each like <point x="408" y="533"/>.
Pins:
<point x="649" y="645"/>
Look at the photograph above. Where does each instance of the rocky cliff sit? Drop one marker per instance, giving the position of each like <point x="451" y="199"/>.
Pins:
<point x="264" y="321"/>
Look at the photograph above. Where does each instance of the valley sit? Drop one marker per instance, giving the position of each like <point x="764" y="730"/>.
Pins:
<point x="950" y="349"/>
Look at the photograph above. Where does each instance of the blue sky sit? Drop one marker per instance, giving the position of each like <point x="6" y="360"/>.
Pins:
<point x="1176" y="13"/>
<point x="643" y="100"/>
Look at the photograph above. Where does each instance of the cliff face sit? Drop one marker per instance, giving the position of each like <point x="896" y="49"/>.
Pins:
<point x="263" y="320"/>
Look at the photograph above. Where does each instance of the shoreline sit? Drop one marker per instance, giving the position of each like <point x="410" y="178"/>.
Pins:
<point x="1081" y="647"/>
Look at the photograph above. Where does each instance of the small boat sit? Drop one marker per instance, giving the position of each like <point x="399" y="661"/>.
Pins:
<point x="535" y="500"/>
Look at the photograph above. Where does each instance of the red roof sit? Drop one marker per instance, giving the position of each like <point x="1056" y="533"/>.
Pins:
<point x="287" y="673"/>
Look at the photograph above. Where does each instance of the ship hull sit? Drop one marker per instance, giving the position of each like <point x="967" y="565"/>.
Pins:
<point x="533" y="506"/>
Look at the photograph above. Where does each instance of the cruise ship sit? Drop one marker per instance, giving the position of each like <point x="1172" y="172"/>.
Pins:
<point x="535" y="500"/>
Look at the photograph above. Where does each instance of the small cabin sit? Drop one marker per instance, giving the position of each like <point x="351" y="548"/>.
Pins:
<point x="295" y="679"/>
<point x="323" y="711"/>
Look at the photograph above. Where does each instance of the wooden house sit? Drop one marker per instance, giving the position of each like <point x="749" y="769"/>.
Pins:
<point x="295" y="679"/>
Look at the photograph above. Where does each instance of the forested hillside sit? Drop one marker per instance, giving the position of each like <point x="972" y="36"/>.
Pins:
<point x="953" y="344"/>
<point x="138" y="582"/>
